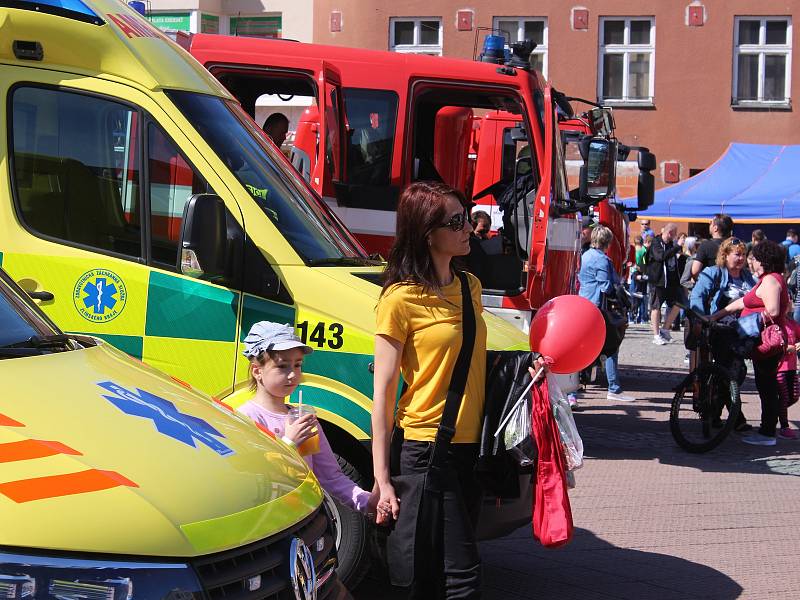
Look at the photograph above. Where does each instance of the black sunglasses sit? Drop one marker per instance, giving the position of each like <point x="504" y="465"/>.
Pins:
<point x="456" y="222"/>
<point x="735" y="241"/>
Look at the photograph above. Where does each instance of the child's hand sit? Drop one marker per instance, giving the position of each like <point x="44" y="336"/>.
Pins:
<point x="301" y="429"/>
<point x="372" y="506"/>
<point x="797" y="347"/>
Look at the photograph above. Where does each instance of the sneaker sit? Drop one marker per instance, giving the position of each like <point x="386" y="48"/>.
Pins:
<point x="756" y="439"/>
<point x="743" y="427"/>
<point x="619" y="397"/>
<point x="573" y="400"/>
<point x="665" y="334"/>
<point x="787" y="433"/>
<point x="659" y="341"/>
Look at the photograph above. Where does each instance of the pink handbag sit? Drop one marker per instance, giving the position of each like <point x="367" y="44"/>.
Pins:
<point x="773" y="339"/>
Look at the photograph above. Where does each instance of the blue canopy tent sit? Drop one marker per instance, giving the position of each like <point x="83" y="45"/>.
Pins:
<point x="752" y="183"/>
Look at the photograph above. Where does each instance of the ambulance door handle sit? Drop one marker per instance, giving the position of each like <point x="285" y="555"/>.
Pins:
<point x="42" y="295"/>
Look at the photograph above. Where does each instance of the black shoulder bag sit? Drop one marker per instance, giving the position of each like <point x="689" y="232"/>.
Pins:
<point x="417" y="538"/>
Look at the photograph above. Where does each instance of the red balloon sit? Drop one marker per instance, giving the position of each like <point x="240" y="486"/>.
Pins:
<point x="570" y="330"/>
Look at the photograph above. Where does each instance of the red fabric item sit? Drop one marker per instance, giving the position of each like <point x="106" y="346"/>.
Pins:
<point x="552" y="515"/>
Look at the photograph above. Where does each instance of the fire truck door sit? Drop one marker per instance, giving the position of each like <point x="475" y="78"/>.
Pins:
<point x="331" y="131"/>
<point x="540" y="209"/>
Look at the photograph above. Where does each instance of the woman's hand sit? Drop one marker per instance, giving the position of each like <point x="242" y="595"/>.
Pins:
<point x="538" y="369"/>
<point x="301" y="429"/>
<point x="388" y="504"/>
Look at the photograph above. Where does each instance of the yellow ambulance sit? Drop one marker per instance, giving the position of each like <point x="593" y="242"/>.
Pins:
<point x="117" y="481"/>
<point x="141" y="205"/>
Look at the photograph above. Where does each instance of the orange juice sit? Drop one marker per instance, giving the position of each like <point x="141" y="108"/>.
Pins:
<point x="310" y="446"/>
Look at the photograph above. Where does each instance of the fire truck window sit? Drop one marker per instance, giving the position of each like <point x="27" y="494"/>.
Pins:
<point x="171" y="182"/>
<point x="513" y="150"/>
<point x="76" y="168"/>
<point x="371" y="116"/>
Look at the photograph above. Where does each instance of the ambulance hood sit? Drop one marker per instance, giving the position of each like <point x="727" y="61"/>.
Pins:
<point x="100" y="453"/>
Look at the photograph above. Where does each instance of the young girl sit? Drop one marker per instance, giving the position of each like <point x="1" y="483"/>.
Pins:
<point x="788" y="384"/>
<point x="276" y="361"/>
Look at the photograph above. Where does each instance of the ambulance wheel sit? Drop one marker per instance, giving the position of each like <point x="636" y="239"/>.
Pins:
<point x="351" y="531"/>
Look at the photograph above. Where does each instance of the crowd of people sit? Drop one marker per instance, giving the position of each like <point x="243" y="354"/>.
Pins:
<point x="724" y="278"/>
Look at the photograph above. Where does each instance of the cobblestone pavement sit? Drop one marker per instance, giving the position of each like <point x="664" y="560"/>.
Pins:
<point x="653" y="522"/>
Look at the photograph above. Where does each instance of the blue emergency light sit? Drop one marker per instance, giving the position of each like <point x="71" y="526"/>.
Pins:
<point x="494" y="49"/>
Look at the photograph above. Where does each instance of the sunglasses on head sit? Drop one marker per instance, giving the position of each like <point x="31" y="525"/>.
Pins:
<point x="735" y="241"/>
<point x="456" y="222"/>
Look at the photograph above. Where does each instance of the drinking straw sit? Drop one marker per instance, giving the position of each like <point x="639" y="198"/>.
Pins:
<point x="300" y="406"/>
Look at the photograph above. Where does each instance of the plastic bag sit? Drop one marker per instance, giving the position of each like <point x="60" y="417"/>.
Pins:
<point x="517" y="436"/>
<point x="570" y="438"/>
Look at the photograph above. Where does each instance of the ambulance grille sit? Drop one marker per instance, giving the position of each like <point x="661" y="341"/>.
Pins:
<point x="233" y="574"/>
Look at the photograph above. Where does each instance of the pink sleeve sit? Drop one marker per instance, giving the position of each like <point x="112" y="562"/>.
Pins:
<point x="336" y="483"/>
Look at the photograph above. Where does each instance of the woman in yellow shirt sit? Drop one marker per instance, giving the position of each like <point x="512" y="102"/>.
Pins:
<point x="419" y="335"/>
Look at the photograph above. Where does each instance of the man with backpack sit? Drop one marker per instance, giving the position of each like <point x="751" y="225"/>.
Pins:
<point x="664" y="279"/>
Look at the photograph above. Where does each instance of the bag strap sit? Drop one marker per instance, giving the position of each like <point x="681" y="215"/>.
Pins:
<point x="458" y="379"/>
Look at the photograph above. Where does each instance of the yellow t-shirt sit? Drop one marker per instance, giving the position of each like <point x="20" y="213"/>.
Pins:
<point x="430" y="329"/>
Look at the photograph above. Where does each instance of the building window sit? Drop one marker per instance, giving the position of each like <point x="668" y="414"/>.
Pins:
<point x="627" y="60"/>
<point x="516" y="29"/>
<point x="416" y="35"/>
<point x="762" y="59"/>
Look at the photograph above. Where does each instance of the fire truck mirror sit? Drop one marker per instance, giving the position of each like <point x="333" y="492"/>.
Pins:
<point x="646" y="186"/>
<point x="598" y="173"/>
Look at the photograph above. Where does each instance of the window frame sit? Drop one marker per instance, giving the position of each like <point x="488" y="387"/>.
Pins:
<point x="142" y="259"/>
<point x="416" y="47"/>
<point x="761" y="50"/>
<point x="543" y="49"/>
<point x="626" y="49"/>
<point x="147" y="195"/>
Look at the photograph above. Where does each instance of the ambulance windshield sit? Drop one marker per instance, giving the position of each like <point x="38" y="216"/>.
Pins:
<point x="312" y="230"/>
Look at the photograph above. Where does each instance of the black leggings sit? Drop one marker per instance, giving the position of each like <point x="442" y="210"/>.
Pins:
<point x="461" y="569"/>
<point x="766" y="376"/>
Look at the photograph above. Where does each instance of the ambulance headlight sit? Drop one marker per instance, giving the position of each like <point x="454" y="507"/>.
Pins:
<point x="66" y="578"/>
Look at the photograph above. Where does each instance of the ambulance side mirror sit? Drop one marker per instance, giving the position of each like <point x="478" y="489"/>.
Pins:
<point x="203" y="237"/>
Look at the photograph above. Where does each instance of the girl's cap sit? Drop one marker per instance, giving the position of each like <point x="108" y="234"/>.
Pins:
<point x="266" y="335"/>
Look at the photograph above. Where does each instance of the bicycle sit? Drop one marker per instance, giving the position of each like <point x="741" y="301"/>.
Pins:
<point x="707" y="404"/>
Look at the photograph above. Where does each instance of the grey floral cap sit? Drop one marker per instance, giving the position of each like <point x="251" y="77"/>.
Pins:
<point x="266" y="335"/>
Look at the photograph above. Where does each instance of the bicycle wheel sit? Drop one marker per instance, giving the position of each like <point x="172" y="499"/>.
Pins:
<point x="704" y="409"/>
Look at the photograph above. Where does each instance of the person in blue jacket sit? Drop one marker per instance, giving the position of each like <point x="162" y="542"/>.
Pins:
<point x="716" y="287"/>
<point x="726" y="281"/>
<point x="597" y="277"/>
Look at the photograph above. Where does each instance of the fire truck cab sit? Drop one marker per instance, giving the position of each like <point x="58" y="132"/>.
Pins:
<point x="384" y="120"/>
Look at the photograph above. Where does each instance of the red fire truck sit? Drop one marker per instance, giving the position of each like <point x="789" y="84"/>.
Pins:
<point x="379" y="120"/>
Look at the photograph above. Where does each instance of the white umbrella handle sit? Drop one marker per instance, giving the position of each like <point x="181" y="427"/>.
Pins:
<point x="518" y="402"/>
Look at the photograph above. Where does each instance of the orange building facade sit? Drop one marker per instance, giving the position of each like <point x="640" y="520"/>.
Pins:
<point x="686" y="79"/>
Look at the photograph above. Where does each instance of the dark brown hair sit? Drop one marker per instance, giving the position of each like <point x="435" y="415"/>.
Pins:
<point x="771" y="255"/>
<point x="420" y="210"/>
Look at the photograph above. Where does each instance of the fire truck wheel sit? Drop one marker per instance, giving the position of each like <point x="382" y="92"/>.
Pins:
<point x="352" y="532"/>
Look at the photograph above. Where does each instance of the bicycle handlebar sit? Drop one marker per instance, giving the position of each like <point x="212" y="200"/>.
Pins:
<point x="693" y="314"/>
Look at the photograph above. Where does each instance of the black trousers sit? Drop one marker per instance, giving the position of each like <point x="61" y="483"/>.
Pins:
<point x="459" y="568"/>
<point x="766" y="376"/>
